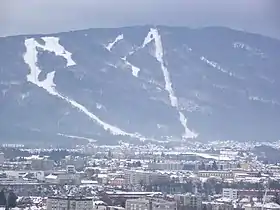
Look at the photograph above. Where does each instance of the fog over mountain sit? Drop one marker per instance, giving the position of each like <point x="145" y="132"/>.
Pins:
<point x="258" y="16"/>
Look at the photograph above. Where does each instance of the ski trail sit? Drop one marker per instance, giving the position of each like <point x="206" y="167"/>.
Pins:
<point x="31" y="58"/>
<point x="154" y="35"/>
<point x="112" y="44"/>
<point x="134" y="69"/>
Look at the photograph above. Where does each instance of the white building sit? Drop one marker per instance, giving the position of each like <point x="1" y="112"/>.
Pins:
<point x="69" y="203"/>
<point x="63" y="178"/>
<point x="220" y="174"/>
<point x="39" y="175"/>
<point x="149" y="204"/>
<point x="139" y="177"/>
<point x="170" y="166"/>
<point x="43" y="164"/>
<point x="230" y="193"/>
<point x="193" y="201"/>
<point x="70" y="169"/>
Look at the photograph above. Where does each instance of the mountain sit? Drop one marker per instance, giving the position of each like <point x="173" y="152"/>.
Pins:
<point x="139" y="83"/>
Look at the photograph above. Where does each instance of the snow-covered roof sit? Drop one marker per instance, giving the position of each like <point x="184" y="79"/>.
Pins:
<point x="102" y="175"/>
<point x="88" y="182"/>
<point x="270" y="205"/>
<point x="98" y="203"/>
<point x="34" y="157"/>
<point x="51" y="176"/>
<point x="224" y="200"/>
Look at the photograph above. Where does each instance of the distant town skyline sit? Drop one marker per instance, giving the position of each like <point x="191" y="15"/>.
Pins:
<point x="48" y="16"/>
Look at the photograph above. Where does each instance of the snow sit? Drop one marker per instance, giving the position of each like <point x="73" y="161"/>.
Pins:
<point x="149" y="38"/>
<point x="34" y="157"/>
<point x="99" y="106"/>
<point x="260" y="205"/>
<point x="24" y="95"/>
<point x="217" y="66"/>
<point x="112" y="44"/>
<point x="257" y="98"/>
<point x="51" y="176"/>
<point x="98" y="203"/>
<point x="102" y="175"/>
<point x="52" y="45"/>
<point x="135" y="70"/>
<point x="243" y="46"/>
<point x="112" y="65"/>
<point x="132" y="193"/>
<point x="112" y="129"/>
<point x="76" y="137"/>
<point x="203" y="155"/>
<point x="223" y="200"/>
<point x="154" y="35"/>
<point x="27" y="208"/>
<point x="88" y="182"/>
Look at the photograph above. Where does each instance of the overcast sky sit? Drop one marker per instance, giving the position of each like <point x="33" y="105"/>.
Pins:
<point x="45" y="16"/>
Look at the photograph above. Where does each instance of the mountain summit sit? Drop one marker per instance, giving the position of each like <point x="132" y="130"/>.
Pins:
<point x="140" y="83"/>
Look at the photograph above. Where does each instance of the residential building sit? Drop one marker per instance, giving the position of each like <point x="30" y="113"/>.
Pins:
<point x="70" y="169"/>
<point x="63" y="178"/>
<point x="19" y="174"/>
<point x="218" y="206"/>
<point x="117" y="182"/>
<point x="220" y="174"/>
<point x="150" y="204"/>
<point x="140" y="177"/>
<point x="78" y="162"/>
<point x="171" y="166"/>
<point x="187" y="201"/>
<point x="230" y="193"/>
<point x="2" y="158"/>
<point x="69" y="203"/>
<point x="42" y="163"/>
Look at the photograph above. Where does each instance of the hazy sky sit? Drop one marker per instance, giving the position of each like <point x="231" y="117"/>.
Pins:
<point x="45" y="16"/>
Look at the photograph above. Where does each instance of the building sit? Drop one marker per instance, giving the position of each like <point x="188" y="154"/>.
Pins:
<point x="150" y="204"/>
<point x="170" y="166"/>
<point x="105" y="207"/>
<point x="261" y="206"/>
<point x="220" y="174"/>
<point x="140" y="177"/>
<point x="229" y="153"/>
<point x="230" y="193"/>
<point x="189" y="201"/>
<point x="218" y="206"/>
<point x="116" y="182"/>
<point x="2" y="158"/>
<point x="19" y="174"/>
<point x="63" y="178"/>
<point x="70" y="169"/>
<point x="71" y="179"/>
<point x="42" y="163"/>
<point x="69" y="203"/>
<point x="78" y="162"/>
<point x="102" y="178"/>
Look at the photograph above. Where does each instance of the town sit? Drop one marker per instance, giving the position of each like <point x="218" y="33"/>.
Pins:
<point x="221" y="175"/>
